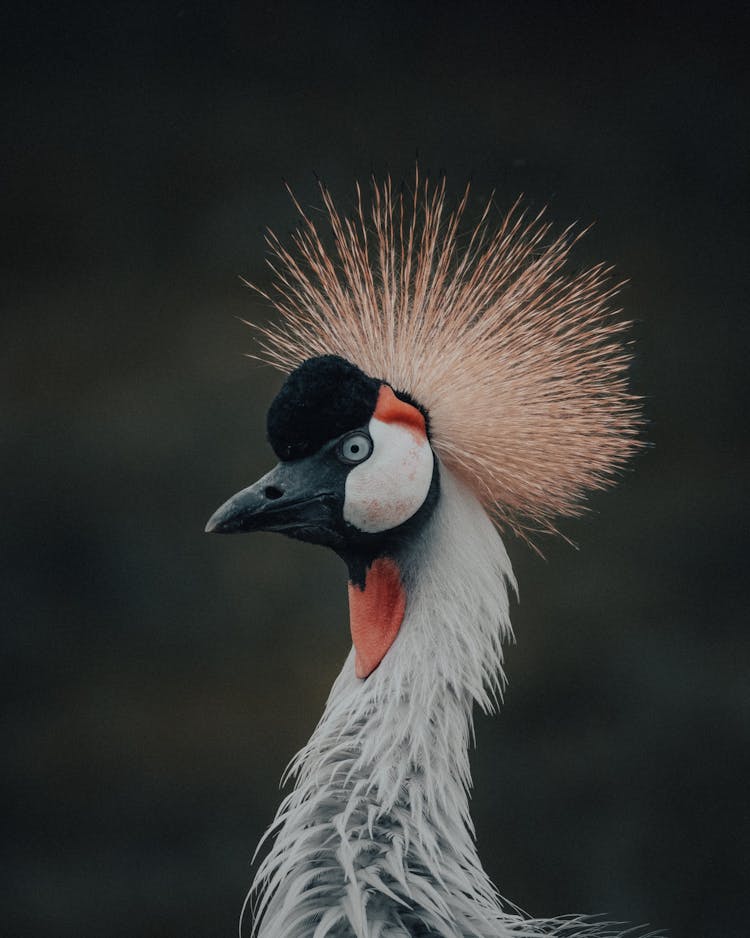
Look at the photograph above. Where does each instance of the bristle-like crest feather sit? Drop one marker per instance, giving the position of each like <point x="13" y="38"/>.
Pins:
<point x="521" y="363"/>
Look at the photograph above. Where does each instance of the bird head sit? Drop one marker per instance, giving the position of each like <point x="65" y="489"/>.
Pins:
<point x="520" y="364"/>
<point x="356" y="469"/>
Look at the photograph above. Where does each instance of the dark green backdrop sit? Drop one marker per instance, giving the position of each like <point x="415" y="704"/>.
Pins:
<point x="157" y="680"/>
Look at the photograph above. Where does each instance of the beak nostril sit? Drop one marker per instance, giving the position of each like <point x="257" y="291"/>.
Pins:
<point x="272" y="492"/>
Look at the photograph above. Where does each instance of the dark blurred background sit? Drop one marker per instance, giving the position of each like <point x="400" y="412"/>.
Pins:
<point x="156" y="680"/>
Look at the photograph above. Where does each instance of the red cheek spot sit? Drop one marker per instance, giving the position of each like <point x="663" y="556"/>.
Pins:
<point x="375" y="614"/>
<point x="391" y="409"/>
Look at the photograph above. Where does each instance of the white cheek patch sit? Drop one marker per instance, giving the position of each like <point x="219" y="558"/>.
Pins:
<point x="390" y="486"/>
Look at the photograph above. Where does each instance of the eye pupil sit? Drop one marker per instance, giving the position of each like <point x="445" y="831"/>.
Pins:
<point x="355" y="448"/>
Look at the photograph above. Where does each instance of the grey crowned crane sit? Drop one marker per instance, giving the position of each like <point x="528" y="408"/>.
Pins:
<point x="442" y="386"/>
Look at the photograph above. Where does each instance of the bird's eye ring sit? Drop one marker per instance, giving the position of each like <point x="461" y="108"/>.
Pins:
<point x="354" y="447"/>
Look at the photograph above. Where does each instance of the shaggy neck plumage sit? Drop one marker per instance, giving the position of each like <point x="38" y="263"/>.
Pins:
<point x="376" y="838"/>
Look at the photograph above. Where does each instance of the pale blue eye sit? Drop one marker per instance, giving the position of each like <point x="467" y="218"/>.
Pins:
<point x="354" y="447"/>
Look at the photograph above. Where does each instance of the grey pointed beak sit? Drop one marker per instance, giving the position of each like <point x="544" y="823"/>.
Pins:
<point x="294" y="498"/>
<point x="242" y="511"/>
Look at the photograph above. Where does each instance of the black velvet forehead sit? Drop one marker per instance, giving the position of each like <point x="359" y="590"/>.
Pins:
<point x="320" y="400"/>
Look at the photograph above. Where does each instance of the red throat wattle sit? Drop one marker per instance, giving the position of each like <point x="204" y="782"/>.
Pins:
<point x="375" y="614"/>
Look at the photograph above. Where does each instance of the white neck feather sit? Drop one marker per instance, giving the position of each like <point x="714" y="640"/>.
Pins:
<point x="375" y="840"/>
